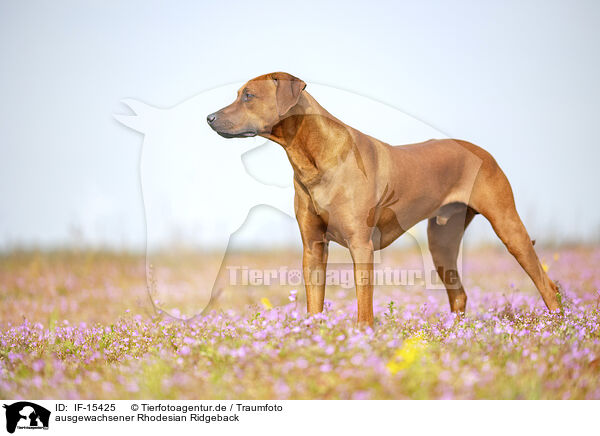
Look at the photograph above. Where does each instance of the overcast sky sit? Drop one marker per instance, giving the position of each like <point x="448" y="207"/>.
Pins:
<point x="517" y="78"/>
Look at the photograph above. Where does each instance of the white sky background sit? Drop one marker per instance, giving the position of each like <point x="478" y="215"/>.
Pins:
<point x="517" y="78"/>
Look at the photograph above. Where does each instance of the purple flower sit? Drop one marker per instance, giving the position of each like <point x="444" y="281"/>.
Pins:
<point x="293" y="295"/>
<point x="38" y="365"/>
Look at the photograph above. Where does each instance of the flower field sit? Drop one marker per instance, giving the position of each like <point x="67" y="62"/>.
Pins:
<point x="81" y="326"/>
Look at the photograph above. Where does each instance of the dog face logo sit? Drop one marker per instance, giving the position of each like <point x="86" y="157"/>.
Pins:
<point x="26" y="415"/>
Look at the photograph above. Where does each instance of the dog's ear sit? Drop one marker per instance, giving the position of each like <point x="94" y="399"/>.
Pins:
<point x="288" y="91"/>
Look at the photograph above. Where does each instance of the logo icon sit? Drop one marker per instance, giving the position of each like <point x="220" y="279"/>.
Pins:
<point x="26" y="415"/>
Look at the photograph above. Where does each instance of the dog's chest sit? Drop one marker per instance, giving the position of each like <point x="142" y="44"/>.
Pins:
<point x="322" y="198"/>
<point x="324" y="194"/>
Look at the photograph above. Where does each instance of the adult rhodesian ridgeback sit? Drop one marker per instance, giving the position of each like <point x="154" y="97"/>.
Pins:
<point x="363" y="193"/>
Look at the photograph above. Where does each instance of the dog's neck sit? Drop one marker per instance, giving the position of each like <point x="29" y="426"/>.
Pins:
<point x="313" y="139"/>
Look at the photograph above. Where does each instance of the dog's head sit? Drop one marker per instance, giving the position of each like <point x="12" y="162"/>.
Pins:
<point x="260" y="104"/>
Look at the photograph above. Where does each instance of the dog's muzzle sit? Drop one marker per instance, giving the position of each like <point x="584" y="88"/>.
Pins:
<point x="223" y="128"/>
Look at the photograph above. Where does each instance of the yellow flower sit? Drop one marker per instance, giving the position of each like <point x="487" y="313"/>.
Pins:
<point x="393" y="367"/>
<point x="545" y="266"/>
<point x="265" y="302"/>
<point x="556" y="256"/>
<point x="405" y="356"/>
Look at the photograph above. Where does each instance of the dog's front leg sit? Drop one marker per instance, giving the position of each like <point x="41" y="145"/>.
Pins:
<point x="362" y="256"/>
<point x="314" y="262"/>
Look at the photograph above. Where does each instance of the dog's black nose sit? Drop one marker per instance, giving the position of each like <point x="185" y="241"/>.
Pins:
<point x="211" y="118"/>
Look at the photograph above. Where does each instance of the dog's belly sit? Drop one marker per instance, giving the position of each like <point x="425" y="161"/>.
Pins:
<point x="394" y="221"/>
<point x="388" y="221"/>
<point x="390" y="225"/>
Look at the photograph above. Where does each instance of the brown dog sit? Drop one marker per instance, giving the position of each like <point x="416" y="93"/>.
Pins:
<point x="363" y="194"/>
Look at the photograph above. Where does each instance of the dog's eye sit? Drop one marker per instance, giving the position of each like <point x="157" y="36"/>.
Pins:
<point x="248" y="96"/>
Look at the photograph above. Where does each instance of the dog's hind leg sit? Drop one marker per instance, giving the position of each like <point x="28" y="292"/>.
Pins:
<point x="493" y="198"/>
<point x="444" y="245"/>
